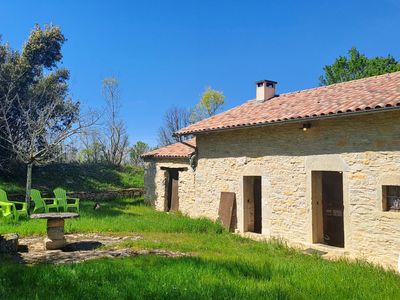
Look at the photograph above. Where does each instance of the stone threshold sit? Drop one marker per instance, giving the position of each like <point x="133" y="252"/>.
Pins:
<point x="325" y="251"/>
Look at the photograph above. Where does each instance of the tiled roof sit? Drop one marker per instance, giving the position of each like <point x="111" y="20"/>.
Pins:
<point x="357" y="96"/>
<point x="180" y="149"/>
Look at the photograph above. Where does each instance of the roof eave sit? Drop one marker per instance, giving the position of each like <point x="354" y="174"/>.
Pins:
<point x="296" y="120"/>
<point x="164" y="156"/>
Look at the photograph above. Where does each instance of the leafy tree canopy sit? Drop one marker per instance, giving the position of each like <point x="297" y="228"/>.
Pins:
<point x="357" y="65"/>
<point x="210" y="103"/>
<point x="136" y="151"/>
<point x="31" y="80"/>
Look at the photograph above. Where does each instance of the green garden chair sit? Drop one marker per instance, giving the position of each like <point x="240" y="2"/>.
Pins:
<point x="65" y="202"/>
<point x="41" y="204"/>
<point x="20" y="208"/>
<point x="7" y="211"/>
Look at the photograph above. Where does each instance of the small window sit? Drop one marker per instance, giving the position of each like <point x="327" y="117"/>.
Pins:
<point x="391" y="198"/>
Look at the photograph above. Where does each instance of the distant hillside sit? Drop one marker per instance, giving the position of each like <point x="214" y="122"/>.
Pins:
<point x="74" y="177"/>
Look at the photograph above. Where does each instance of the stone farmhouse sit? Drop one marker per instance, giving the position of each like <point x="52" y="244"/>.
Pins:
<point x="317" y="168"/>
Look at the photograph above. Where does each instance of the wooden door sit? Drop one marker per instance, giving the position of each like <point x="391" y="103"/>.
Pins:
<point x="227" y="210"/>
<point x="332" y="199"/>
<point x="257" y="204"/>
<point x="174" y="178"/>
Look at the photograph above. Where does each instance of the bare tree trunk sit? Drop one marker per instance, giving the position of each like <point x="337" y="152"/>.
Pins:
<point x="28" y="184"/>
<point x="115" y="140"/>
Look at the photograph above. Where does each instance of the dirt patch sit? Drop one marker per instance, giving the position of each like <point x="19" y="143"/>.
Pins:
<point x="81" y="247"/>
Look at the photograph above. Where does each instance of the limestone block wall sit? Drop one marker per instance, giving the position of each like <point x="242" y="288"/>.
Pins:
<point x="150" y="170"/>
<point x="365" y="148"/>
<point x="155" y="183"/>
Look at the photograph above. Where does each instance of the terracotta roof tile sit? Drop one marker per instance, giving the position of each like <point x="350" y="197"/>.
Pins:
<point x="181" y="149"/>
<point x="363" y="95"/>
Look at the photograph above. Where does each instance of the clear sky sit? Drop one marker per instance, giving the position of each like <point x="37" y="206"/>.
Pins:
<point x="166" y="52"/>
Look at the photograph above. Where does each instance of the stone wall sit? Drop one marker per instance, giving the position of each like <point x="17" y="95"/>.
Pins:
<point x="366" y="149"/>
<point x="97" y="196"/>
<point x="108" y="195"/>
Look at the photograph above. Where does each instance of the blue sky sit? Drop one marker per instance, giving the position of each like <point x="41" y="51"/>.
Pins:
<point x="166" y="52"/>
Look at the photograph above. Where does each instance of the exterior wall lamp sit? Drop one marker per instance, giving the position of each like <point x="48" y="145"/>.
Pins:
<point x="306" y="126"/>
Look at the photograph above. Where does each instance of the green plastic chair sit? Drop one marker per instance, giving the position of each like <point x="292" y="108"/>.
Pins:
<point x="65" y="202"/>
<point x="7" y="211"/>
<point x="20" y="208"/>
<point x="41" y="204"/>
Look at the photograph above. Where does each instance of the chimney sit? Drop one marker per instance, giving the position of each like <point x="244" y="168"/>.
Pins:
<point x="265" y="90"/>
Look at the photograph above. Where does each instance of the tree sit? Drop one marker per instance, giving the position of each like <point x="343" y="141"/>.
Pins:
<point x="136" y="151"/>
<point x="69" y="151"/>
<point x="357" y="66"/>
<point x="174" y="119"/>
<point x="115" y="139"/>
<point x="210" y="103"/>
<point x="36" y="113"/>
<point x="177" y="118"/>
<point x="92" y="149"/>
<point x="21" y="74"/>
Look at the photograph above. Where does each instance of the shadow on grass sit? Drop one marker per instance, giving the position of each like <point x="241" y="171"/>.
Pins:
<point x="82" y="246"/>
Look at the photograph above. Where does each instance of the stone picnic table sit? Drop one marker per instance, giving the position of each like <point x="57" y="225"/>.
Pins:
<point x="55" y="228"/>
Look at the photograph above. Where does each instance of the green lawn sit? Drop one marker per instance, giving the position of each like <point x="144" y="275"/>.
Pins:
<point x="74" y="177"/>
<point x="222" y="265"/>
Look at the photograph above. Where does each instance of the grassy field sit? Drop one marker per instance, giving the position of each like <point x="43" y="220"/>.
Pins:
<point x="74" y="177"/>
<point x="222" y="265"/>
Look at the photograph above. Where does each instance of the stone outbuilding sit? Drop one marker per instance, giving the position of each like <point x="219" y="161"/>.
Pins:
<point x="169" y="176"/>
<point x="317" y="168"/>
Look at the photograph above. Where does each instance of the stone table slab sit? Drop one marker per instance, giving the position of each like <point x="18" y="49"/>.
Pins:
<point x="55" y="215"/>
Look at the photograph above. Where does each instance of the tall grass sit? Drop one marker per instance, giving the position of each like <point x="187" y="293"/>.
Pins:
<point x="119" y="216"/>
